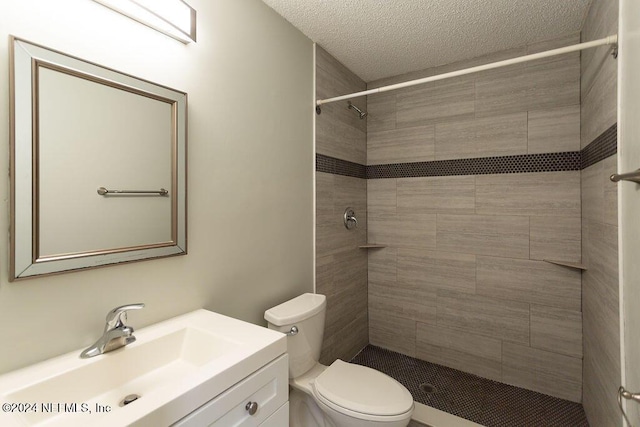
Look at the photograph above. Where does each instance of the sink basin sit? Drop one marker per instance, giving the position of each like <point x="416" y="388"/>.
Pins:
<point x="174" y="367"/>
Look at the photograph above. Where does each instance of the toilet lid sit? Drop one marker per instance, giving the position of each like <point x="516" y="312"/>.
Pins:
<point x="363" y="390"/>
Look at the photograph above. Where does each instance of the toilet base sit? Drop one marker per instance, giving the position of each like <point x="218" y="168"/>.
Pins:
<point x="304" y="412"/>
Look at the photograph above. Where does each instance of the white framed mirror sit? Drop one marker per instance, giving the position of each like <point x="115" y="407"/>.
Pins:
<point x="98" y="165"/>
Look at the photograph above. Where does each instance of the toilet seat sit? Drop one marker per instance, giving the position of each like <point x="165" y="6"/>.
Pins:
<point x="362" y="392"/>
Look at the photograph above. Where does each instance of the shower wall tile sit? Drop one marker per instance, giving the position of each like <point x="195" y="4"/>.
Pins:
<point x="447" y="270"/>
<point x="382" y="265"/>
<point x="382" y="112"/>
<point x="555" y="238"/>
<point x="610" y="209"/>
<point x="341" y="268"/>
<point x="501" y="135"/>
<point x="435" y="102"/>
<point x="415" y="144"/>
<point x="450" y="194"/>
<point x="410" y="230"/>
<point x="340" y="138"/>
<point x="489" y="317"/>
<point x="395" y="333"/>
<point x="554" y="82"/>
<point x="554" y="130"/>
<point x="382" y="196"/>
<point x="407" y="303"/>
<point x="339" y="131"/>
<point x="535" y="282"/>
<point x="484" y="235"/>
<point x="463" y="270"/>
<point x="481" y="356"/>
<point x="542" y="371"/>
<point x="556" y="330"/>
<point x="541" y="194"/>
<point x="592" y="192"/>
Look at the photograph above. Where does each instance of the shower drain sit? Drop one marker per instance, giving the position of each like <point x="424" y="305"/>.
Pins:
<point x="427" y="388"/>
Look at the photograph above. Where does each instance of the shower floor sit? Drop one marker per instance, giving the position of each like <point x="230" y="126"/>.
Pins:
<point x="480" y="400"/>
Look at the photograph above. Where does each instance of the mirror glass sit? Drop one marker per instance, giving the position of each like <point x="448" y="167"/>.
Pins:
<point x="98" y="165"/>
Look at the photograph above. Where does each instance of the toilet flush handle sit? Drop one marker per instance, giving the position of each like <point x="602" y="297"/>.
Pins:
<point x="293" y="331"/>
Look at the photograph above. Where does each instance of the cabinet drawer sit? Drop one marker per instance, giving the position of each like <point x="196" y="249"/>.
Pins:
<point x="279" y="419"/>
<point x="267" y="387"/>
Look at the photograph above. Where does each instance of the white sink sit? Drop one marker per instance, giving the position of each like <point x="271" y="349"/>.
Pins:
<point x="174" y="366"/>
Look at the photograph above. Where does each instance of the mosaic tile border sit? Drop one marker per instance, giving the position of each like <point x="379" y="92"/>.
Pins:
<point x="548" y="162"/>
<point x="486" y="402"/>
<point x="602" y="147"/>
<point x="339" y="167"/>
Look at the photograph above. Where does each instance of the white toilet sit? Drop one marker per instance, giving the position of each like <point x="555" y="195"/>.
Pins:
<point x="340" y="395"/>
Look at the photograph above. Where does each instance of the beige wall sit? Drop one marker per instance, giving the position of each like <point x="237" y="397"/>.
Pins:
<point x="341" y="268"/>
<point x="250" y="218"/>
<point x="462" y="282"/>
<point x="601" y="325"/>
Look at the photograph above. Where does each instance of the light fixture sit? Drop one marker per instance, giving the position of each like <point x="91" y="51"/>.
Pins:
<point x="174" y="18"/>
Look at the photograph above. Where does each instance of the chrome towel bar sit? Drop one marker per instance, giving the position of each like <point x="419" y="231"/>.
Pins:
<point x="103" y="191"/>
<point x="631" y="176"/>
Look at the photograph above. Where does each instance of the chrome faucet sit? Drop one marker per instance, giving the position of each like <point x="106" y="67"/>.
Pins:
<point x="116" y="334"/>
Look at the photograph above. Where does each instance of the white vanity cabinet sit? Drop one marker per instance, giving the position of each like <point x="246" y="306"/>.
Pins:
<point x="261" y="399"/>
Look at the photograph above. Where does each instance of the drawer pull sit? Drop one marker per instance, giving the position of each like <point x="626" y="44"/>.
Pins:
<point x="251" y="407"/>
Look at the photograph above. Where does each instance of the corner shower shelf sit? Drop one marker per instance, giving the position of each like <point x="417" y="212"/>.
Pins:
<point x="371" y="246"/>
<point x="575" y="265"/>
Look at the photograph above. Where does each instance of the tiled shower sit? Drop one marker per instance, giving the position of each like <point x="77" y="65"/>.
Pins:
<point x="471" y="183"/>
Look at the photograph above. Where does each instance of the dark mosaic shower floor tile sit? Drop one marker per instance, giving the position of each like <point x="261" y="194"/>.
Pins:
<point x="477" y="399"/>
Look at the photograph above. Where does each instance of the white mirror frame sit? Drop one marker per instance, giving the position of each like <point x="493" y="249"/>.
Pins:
<point x="24" y="262"/>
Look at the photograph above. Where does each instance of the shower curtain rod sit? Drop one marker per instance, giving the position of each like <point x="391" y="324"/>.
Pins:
<point x="611" y="40"/>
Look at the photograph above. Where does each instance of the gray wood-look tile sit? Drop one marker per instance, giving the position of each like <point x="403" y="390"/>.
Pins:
<point x="475" y="345"/>
<point x="554" y="82"/>
<point x="381" y="197"/>
<point x="456" y="140"/>
<point x="501" y="92"/>
<point x="479" y="315"/>
<point x="542" y="371"/>
<point x="350" y="192"/>
<point x="324" y="194"/>
<point x="535" y="282"/>
<point x="407" y="230"/>
<point x="545" y="84"/>
<point x="555" y="238"/>
<point x="501" y="135"/>
<point x="554" y="130"/>
<point x="434" y="103"/>
<point x="610" y="200"/>
<point x="592" y="192"/>
<point x="404" y="302"/>
<point x="391" y="332"/>
<point x="541" y="194"/>
<point x="416" y="144"/>
<point x="341" y="77"/>
<point x="382" y="112"/>
<point x="556" y="330"/>
<point x="599" y="104"/>
<point x="446" y="194"/>
<point x="460" y="360"/>
<point x="434" y="270"/>
<point x="382" y="265"/>
<point x="340" y="140"/>
<point x="484" y="235"/>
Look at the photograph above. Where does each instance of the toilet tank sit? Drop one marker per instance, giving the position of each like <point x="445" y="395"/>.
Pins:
<point x="306" y="312"/>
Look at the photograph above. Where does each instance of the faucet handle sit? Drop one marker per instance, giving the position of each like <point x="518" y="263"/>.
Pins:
<point x="115" y="316"/>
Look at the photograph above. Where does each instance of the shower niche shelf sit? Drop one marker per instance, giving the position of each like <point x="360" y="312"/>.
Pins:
<point x="372" y="246"/>
<point x="575" y="265"/>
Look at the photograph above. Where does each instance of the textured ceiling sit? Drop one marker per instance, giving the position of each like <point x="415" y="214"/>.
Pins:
<point x="382" y="38"/>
